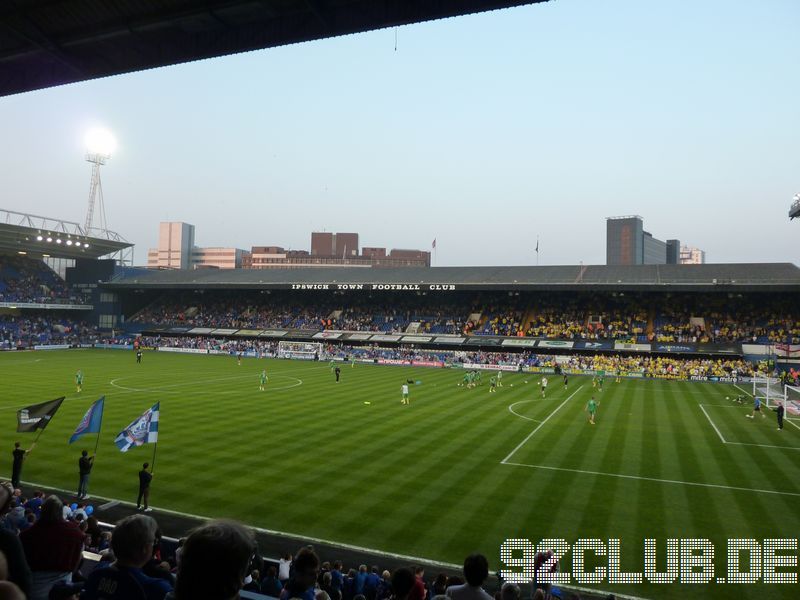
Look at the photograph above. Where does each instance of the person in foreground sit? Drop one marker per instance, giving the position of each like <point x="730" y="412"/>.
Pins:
<point x="132" y="543"/>
<point x="304" y="576"/>
<point x="215" y="562"/>
<point x="476" y="570"/>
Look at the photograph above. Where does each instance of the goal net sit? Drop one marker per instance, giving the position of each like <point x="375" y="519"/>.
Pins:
<point x="301" y="350"/>
<point x="768" y="389"/>
<point x="792" y="400"/>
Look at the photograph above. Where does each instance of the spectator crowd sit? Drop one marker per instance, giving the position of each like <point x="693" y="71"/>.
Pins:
<point x="43" y="546"/>
<point x="631" y="317"/>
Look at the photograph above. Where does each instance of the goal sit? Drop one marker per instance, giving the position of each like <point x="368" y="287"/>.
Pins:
<point x="791" y="400"/>
<point x="300" y="350"/>
<point x="772" y="392"/>
<point x="768" y="389"/>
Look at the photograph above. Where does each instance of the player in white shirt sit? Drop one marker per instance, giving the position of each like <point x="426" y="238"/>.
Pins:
<point x="499" y="379"/>
<point x="544" y="385"/>
<point x="405" y="394"/>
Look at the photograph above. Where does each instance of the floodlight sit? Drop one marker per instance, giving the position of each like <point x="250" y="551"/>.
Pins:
<point x="100" y="141"/>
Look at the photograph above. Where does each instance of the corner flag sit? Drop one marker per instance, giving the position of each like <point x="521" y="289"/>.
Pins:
<point x="91" y="421"/>
<point x="143" y="430"/>
<point x="37" y="416"/>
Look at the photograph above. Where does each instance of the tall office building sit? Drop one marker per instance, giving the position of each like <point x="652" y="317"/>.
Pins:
<point x="627" y="243"/>
<point x="175" y="244"/>
<point x="673" y="252"/>
<point x="334" y="245"/>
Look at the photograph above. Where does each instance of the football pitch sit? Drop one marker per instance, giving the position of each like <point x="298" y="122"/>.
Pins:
<point x="457" y="471"/>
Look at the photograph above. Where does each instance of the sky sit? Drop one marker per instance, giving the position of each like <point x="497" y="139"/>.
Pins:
<point x="483" y="132"/>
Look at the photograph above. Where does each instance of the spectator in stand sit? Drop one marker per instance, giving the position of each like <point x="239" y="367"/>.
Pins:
<point x="8" y="590"/>
<point x="371" y="585"/>
<point x="361" y="579"/>
<point x="18" y="571"/>
<point x="384" y="586"/>
<point x="510" y="591"/>
<point x="349" y="585"/>
<point x="403" y="581"/>
<point x="284" y="568"/>
<point x="132" y="543"/>
<point x="337" y="578"/>
<point x="418" y="592"/>
<point x="35" y="504"/>
<point x="253" y="585"/>
<point x="271" y="586"/>
<point x="52" y="548"/>
<point x="326" y="587"/>
<point x="215" y="562"/>
<point x="439" y="586"/>
<point x="304" y="576"/>
<point x="476" y="570"/>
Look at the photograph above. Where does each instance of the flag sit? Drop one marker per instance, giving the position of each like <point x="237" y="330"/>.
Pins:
<point x="91" y="420"/>
<point x="537" y="245"/>
<point x="433" y="245"/>
<point x="143" y="430"/>
<point x="37" y="416"/>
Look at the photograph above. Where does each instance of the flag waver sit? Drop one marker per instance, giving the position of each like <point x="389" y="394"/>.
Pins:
<point x="92" y="420"/>
<point x="37" y="416"/>
<point x="143" y="430"/>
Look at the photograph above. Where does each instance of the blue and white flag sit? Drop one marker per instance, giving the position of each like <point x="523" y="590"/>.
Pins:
<point x="143" y="430"/>
<point x="92" y="420"/>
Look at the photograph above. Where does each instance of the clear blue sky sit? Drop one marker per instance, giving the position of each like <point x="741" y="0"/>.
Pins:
<point x="482" y="132"/>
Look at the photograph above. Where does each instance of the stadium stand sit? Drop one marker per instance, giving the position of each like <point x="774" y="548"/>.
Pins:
<point x="27" y="280"/>
<point x="41" y="328"/>
<point x="634" y="317"/>
<point x="58" y="549"/>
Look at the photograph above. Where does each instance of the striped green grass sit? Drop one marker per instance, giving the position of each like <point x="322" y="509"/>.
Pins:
<point x="309" y="457"/>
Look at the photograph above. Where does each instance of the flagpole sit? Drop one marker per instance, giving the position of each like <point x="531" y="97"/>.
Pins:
<point x="153" y="463"/>
<point x="97" y="443"/>
<point x="38" y="435"/>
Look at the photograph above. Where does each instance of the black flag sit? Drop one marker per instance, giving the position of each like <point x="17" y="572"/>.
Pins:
<point x="37" y="416"/>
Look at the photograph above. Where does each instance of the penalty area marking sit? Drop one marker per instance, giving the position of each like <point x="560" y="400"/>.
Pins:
<point x="511" y="410"/>
<point x="724" y="441"/>
<point x="657" y="480"/>
<point x="538" y="427"/>
<point x="785" y="419"/>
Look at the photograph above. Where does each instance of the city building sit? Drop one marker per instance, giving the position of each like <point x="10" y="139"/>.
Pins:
<point x="176" y="250"/>
<point x="216" y="258"/>
<point x="339" y="245"/>
<point x="673" y="252"/>
<point x="175" y="244"/>
<point x="627" y="243"/>
<point x="692" y="256"/>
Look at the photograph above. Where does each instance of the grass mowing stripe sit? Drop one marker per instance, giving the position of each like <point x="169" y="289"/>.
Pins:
<point x="423" y="480"/>
<point x="538" y="427"/>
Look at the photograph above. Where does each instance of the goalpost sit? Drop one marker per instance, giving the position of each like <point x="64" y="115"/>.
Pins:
<point x="771" y="392"/>
<point x="300" y="350"/>
<point x="791" y="401"/>
<point x="768" y="389"/>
